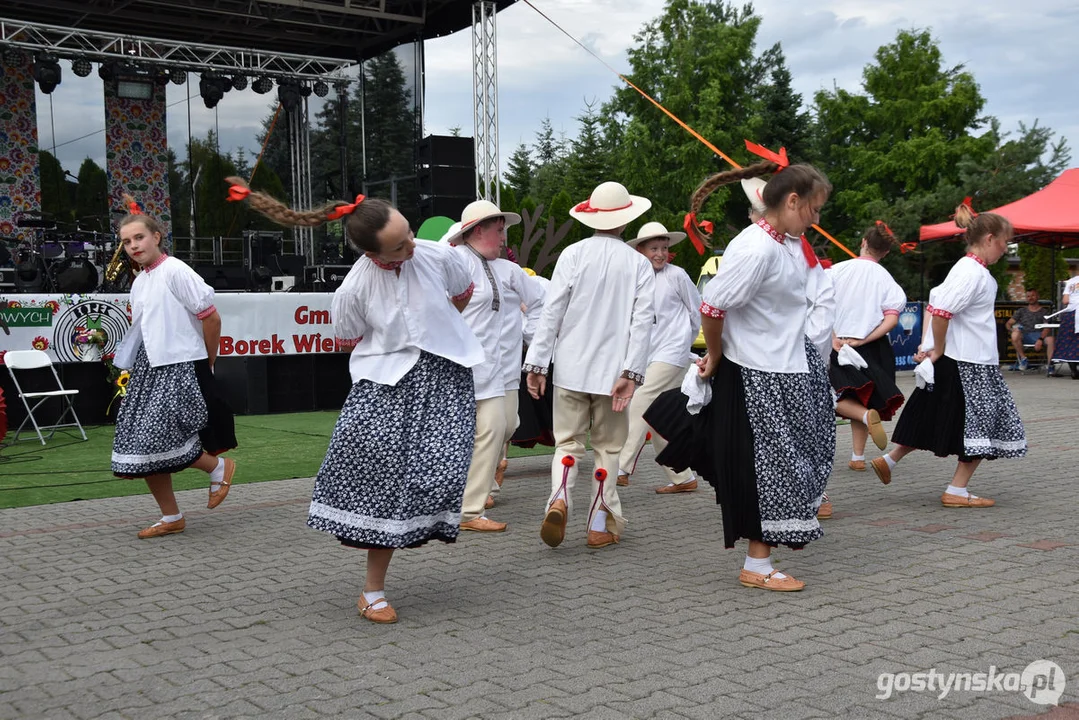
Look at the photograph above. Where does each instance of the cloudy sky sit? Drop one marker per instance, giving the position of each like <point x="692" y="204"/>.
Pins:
<point x="1023" y="56"/>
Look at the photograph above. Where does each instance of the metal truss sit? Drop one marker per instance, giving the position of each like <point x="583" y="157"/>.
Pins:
<point x="102" y="46"/>
<point x="485" y="99"/>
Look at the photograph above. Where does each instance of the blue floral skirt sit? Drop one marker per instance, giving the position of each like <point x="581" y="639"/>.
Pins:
<point x="394" y="474"/>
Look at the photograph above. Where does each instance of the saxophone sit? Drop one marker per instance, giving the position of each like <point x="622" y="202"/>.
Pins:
<point x="117" y="265"/>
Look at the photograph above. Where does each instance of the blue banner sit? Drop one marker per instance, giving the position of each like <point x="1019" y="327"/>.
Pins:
<point x="907" y="335"/>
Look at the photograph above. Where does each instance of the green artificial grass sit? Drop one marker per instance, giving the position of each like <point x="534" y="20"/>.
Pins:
<point x="272" y="447"/>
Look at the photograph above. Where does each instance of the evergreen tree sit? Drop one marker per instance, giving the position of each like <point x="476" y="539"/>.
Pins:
<point x="92" y="196"/>
<point x="57" y="195"/>
<point x="390" y="125"/>
<point x="589" y="159"/>
<point x="546" y="147"/>
<point x="780" y="121"/>
<point x="519" y="170"/>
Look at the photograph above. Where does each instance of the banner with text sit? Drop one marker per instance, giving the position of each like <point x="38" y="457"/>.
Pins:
<point x="251" y="323"/>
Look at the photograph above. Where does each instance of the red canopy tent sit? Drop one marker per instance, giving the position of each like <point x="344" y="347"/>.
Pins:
<point x="1049" y="217"/>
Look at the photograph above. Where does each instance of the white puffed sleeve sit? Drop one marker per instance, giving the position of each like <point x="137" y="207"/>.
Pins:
<point x="191" y="290"/>
<point x="640" y="328"/>
<point x="956" y="293"/>
<point x="895" y="300"/>
<point x="691" y="298"/>
<point x="541" y="349"/>
<point x="456" y="273"/>
<point x="744" y="267"/>
<point x="531" y="294"/>
<point x="820" y="295"/>
<point x="347" y="313"/>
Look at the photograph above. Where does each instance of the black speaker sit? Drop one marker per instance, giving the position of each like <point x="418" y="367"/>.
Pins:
<point x="243" y="380"/>
<point x="450" y="181"/>
<point x="447" y="150"/>
<point x="450" y="207"/>
<point x="224" y="277"/>
<point x="260" y="246"/>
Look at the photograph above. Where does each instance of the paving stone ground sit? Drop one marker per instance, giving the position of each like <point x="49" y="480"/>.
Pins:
<point x="250" y="614"/>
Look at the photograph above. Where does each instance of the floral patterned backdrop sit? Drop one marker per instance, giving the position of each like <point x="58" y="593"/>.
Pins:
<point x="20" y="186"/>
<point x="136" y="144"/>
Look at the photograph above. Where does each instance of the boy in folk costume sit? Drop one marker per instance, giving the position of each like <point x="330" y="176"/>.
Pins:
<point x="677" y="321"/>
<point x="596" y="325"/>
<point x="492" y="315"/>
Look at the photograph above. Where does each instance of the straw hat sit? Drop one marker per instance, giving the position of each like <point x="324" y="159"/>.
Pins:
<point x="754" y="189"/>
<point x="452" y="232"/>
<point x="653" y="230"/>
<point x="610" y="206"/>
<point x="475" y="213"/>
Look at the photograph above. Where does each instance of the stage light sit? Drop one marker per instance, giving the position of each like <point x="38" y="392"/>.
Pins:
<point x="81" y="67"/>
<point x="212" y="87"/>
<point x="47" y="72"/>
<point x="239" y="82"/>
<point x="288" y="94"/>
<point x="341" y="87"/>
<point x="177" y="76"/>
<point x="161" y="77"/>
<point x="305" y="90"/>
<point x="262" y="85"/>
<point x="322" y="89"/>
<point x="106" y="71"/>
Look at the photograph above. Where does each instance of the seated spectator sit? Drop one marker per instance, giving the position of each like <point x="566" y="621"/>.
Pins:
<point x="1023" y="331"/>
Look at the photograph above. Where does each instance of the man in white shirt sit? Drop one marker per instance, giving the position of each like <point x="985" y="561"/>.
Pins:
<point x="595" y="327"/>
<point x="491" y="315"/>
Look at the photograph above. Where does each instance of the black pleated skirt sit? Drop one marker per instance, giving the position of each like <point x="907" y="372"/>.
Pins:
<point x="873" y="387"/>
<point x="934" y="416"/>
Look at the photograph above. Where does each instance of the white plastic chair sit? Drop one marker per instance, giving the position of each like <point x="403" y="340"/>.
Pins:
<point x="33" y="360"/>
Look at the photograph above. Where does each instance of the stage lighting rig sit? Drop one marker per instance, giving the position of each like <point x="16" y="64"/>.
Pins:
<point x="305" y="90"/>
<point x="81" y="67"/>
<point x="321" y="89"/>
<point x="239" y="82"/>
<point x="262" y="85"/>
<point x="47" y="72"/>
<point x="212" y="87"/>
<point x="178" y="76"/>
<point x="289" y="94"/>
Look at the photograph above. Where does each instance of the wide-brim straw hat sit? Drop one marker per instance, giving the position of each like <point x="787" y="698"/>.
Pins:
<point x="610" y="206"/>
<point x="451" y="232"/>
<point x="754" y="190"/>
<point x="475" y="213"/>
<point x="653" y="231"/>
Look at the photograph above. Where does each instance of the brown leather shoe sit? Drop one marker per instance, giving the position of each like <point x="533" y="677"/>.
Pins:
<point x="623" y="481"/>
<point x="824" y="512"/>
<point x="483" y="524"/>
<point x="490" y="502"/>
<point x="857" y="465"/>
<point x="769" y="581"/>
<point x="876" y="430"/>
<point x="500" y="471"/>
<point x="384" y="615"/>
<point x="958" y="501"/>
<point x="223" y="488"/>
<point x="598" y="539"/>
<point x="163" y="528"/>
<point x="677" y="488"/>
<point x="553" y="530"/>
<point x="880" y="467"/>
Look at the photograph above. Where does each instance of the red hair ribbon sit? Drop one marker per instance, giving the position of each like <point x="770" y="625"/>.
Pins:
<point x="133" y="208"/>
<point x="887" y="230"/>
<point x="905" y="248"/>
<point x="341" y="210"/>
<point x="779" y="158"/>
<point x="586" y="207"/>
<point x="970" y="206"/>
<point x="693" y="229"/>
<point x="238" y="193"/>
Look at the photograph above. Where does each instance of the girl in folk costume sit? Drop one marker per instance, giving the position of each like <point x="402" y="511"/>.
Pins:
<point x="395" y="470"/>
<point x="676" y="305"/>
<point x="868" y="303"/>
<point x="1067" y="344"/>
<point x="820" y="308"/>
<point x="173" y="415"/>
<point x="767" y="438"/>
<point x="596" y="322"/>
<point x="491" y="315"/>
<point x="965" y="409"/>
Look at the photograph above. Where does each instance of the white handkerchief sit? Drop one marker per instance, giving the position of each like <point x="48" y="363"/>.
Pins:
<point x="128" y="349"/>
<point x="697" y="389"/>
<point x="923" y="374"/>
<point x="849" y="356"/>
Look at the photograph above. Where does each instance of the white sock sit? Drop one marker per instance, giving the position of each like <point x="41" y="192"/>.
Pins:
<point x="891" y="463"/>
<point x="953" y="490"/>
<point x="377" y="597"/>
<point x="762" y="566"/>
<point x="865" y="418"/>
<point x="170" y="518"/>
<point x="599" y="521"/>
<point x="627" y="473"/>
<point x="855" y="458"/>
<point x="217" y="475"/>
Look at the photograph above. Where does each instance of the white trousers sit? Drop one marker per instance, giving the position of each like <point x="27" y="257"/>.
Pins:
<point x="496" y="421"/>
<point x="579" y="417"/>
<point x="658" y="378"/>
